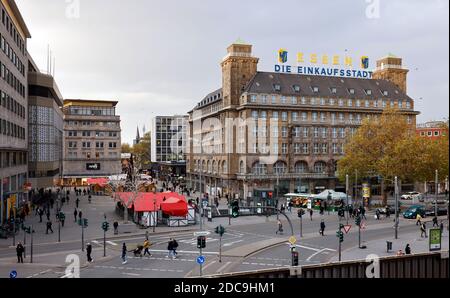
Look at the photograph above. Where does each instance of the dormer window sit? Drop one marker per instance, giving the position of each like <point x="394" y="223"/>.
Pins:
<point x="296" y="88"/>
<point x="253" y="98"/>
<point x="351" y="91"/>
<point x="368" y="92"/>
<point x="385" y="93"/>
<point x="333" y="90"/>
<point x="277" y="87"/>
<point x="315" y="89"/>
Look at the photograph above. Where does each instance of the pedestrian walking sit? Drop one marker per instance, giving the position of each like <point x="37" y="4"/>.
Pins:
<point x="407" y="249"/>
<point x="377" y="214"/>
<point x="49" y="227"/>
<point x="363" y="212"/>
<point x="62" y="219"/>
<point x="418" y="220"/>
<point x="311" y="212"/>
<point x="280" y="227"/>
<point x="75" y="213"/>
<point x="41" y="212"/>
<point x="124" y="253"/>
<point x="77" y="202"/>
<point x="388" y="212"/>
<point x="48" y="214"/>
<point x="423" y="230"/>
<point x="80" y="214"/>
<point x="174" y="246"/>
<point x="322" y="228"/>
<point x="20" y="250"/>
<point x="435" y="222"/>
<point x="170" y="248"/>
<point x="147" y="245"/>
<point x="89" y="252"/>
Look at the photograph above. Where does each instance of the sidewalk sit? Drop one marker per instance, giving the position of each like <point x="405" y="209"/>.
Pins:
<point x="379" y="247"/>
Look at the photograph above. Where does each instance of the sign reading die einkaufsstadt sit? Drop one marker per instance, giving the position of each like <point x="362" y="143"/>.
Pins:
<point x="329" y="65"/>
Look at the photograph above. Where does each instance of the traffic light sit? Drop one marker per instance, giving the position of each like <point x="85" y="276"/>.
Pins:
<point x="358" y="221"/>
<point x="235" y="209"/>
<point x="340" y="235"/>
<point x="201" y="242"/>
<point x="300" y="212"/>
<point x="295" y="258"/>
<point x="105" y="226"/>
<point x="62" y="216"/>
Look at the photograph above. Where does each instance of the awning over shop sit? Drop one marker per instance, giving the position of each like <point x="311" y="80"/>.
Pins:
<point x="172" y="204"/>
<point x="102" y="182"/>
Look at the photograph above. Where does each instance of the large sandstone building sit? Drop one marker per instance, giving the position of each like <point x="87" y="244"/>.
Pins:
<point x="288" y="130"/>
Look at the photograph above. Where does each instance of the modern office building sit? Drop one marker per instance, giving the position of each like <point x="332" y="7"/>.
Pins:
<point x="272" y="132"/>
<point x="168" y="144"/>
<point x="13" y="109"/>
<point x="45" y="134"/>
<point x="92" y="140"/>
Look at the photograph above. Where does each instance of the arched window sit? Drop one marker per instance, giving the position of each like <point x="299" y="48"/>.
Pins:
<point x="224" y="167"/>
<point x="280" y="167"/>
<point x="203" y="166"/>
<point x="209" y="166"/>
<point x="214" y="167"/>
<point x="320" y="167"/>
<point x="259" y="168"/>
<point x="301" y="167"/>
<point x="242" y="167"/>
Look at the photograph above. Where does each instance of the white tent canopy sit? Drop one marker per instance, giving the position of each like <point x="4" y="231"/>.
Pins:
<point x="336" y="196"/>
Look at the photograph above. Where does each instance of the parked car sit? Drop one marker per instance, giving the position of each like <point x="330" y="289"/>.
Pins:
<point x="411" y="212"/>
<point x="411" y="195"/>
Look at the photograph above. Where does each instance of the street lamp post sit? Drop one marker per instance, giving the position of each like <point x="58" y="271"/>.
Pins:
<point x="436" y="182"/>
<point x="155" y="216"/>
<point x="396" y="206"/>
<point x="31" y="244"/>
<point x="346" y="191"/>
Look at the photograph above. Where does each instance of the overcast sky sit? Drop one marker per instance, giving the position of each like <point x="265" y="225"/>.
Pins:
<point x="160" y="57"/>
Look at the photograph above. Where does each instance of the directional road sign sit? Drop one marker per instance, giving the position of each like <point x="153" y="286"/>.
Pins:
<point x="200" y="260"/>
<point x="347" y="228"/>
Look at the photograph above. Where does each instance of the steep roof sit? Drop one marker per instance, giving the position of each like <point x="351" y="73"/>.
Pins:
<point x="264" y="82"/>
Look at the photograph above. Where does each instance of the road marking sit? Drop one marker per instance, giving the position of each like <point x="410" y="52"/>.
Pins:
<point x="306" y="247"/>
<point x="231" y="243"/>
<point x="111" y="243"/>
<point x="132" y="274"/>
<point x="220" y="270"/>
<point x="185" y="251"/>
<point x="209" y="264"/>
<point x="318" y="252"/>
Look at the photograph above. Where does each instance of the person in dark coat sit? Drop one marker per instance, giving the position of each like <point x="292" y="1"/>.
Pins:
<point x="322" y="228"/>
<point x="116" y="226"/>
<point x="124" y="253"/>
<point x="75" y="213"/>
<point x="435" y="222"/>
<point x="407" y="249"/>
<point x="49" y="227"/>
<point x="40" y="212"/>
<point x="77" y="202"/>
<point x="80" y="214"/>
<point x="48" y="214"/>
<point x="170" y="249"/>
<point x="20" y="250"/>
<point x="89" y="252"/>
<point x="311" y="212"/>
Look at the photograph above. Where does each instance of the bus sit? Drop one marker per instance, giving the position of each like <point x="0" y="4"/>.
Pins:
<point x="299" y="200"/>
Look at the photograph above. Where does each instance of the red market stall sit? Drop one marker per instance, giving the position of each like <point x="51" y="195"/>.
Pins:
<point x="97" y="185"/>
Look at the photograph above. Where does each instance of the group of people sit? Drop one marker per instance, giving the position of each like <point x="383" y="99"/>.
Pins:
<point x="172" y="246"/>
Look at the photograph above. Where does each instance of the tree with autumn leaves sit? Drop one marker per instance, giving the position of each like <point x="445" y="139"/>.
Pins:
<point x="388" y="146"/>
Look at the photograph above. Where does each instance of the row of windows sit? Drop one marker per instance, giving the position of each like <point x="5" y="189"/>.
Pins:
<point x="314" y="116"/>
<point x="331" y="90"/>
<point x="93" y="123"/>
<point x="12" y="105"/>
<point x="91" y="111"/>
<point x="274" y="99"/>
<point x="88" y="145"/>
<point x="299" y="148"/>
<point x="304" y="132"/>
<point x="280" y="167"/>
<point x="74" y="133"/>
<point x="12" y="80"/>
<point x="12" y="159"/>
<point x="88" y="155"/>
<point x="435" y="133"/>
<point x="9" y="52"/>
<point x="10" y="129"/>
<point x="12" y="31"/>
